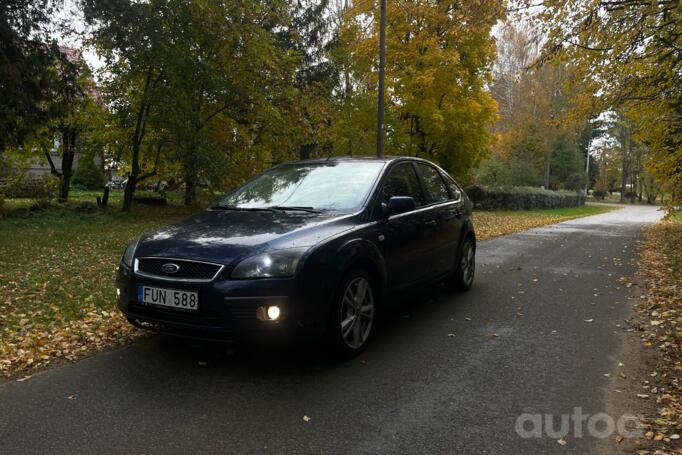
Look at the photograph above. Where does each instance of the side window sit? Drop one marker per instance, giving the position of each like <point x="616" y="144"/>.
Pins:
<point x="402" y="181"/>
<point x="455" y="190"/>
<point x="435" y="187"/>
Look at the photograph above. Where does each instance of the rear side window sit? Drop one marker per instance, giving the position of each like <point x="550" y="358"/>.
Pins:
<point x="435" y="187"/>
<point x="402" y="180"/>
<point x="455" y="190"/>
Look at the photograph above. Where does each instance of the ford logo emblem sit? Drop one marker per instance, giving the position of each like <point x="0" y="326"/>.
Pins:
<point x="170" y="268"/>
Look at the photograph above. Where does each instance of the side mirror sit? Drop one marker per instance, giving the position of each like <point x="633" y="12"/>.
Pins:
<point x="399" y="204"/>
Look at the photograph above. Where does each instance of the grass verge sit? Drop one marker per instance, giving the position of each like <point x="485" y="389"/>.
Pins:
<point x="57" y="273"/>
<point x="493" y="224"/>
<point x="677" y="216"/>
<point x="659" y="314"/>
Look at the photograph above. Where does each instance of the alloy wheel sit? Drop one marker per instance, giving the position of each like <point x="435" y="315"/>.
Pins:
<point x="357" y="312"/>
<point x="468" y="263"/>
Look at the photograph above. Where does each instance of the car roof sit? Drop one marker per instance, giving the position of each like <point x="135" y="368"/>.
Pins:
<point x="384" y="159"/>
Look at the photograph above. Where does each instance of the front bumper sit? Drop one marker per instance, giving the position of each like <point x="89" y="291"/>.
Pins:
<point x="227" y="309"/>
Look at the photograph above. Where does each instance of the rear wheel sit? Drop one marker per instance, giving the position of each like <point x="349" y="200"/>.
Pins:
<point x="353" y="313"/>
<point x="463" y="277"/>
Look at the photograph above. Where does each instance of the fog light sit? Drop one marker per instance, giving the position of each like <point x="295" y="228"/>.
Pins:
<point x="273" y="312"/>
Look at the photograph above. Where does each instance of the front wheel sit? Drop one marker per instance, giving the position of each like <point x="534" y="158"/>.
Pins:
<point x="353" y="314"/>
<point x="463" y="276"/>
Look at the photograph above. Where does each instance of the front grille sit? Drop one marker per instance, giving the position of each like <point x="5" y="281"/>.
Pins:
<point x="188" y="270"/>
<point x="170" y="316"/>
<point x="244" y="312"/>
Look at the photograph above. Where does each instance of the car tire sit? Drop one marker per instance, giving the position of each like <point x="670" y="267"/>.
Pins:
<point x="463" y="277"/>
<point x="353" y="314"/>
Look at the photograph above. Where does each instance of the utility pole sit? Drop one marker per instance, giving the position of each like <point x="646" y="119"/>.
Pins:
<point x="382" y="70"/>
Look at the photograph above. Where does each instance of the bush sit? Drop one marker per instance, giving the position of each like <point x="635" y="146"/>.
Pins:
<point x="521" y="198"/>
<point x="41" y="188"/>
<point x="575" y="181"/>
<point x="88" y="175"/>
<point x="599" y="194"/>
<point x="514" y="172"/>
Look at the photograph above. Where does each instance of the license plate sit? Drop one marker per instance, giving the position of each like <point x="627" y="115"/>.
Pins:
<point x="173" y="298"/>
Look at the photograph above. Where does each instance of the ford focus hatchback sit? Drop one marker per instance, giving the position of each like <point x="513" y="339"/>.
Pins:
<point x="307" y="250"/>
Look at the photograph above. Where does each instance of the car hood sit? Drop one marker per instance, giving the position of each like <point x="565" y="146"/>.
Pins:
<point x="225" y="236"/>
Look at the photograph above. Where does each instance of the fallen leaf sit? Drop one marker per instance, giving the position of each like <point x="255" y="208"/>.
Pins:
<point x="306" y="419"/>
<point x="562" y="442"/>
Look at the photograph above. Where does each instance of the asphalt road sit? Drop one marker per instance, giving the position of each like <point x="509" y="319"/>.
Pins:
<point x="435" y="380"/>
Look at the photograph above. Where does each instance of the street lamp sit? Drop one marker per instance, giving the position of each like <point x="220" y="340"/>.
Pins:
<point x="382" y="68"/>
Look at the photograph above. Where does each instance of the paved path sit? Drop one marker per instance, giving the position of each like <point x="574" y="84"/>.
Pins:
<point x="416" y="390"/>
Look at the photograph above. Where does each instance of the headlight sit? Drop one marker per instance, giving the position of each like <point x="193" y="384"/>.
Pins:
<point x="130" y="253"/>
<point x="277" y="264"/>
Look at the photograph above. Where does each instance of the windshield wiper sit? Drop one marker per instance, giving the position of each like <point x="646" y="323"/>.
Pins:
<point x="242" y="209"/>
<point x="296" y="208"/>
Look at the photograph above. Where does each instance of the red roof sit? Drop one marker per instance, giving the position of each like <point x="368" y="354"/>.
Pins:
<point x="72" y="54"/>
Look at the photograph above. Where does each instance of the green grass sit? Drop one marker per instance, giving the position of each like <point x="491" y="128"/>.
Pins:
<point x="677" y="216"/>
<point x="585" y="210"/>
<point x="567" y="213"/>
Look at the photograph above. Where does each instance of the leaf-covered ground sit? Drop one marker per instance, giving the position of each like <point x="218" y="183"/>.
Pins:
<point x="57" y="293"/>
<point x="57" y="269"/>
<point x="660" y="319"/>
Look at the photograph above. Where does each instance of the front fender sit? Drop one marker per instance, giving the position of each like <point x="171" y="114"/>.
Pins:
<point x="365" y="254"/>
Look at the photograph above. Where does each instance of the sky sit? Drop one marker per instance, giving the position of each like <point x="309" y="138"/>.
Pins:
<point x="70" y="14"/>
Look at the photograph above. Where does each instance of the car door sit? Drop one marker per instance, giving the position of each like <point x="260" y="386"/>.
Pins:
<point x="404" y="244"/>
<point x="444" y="215"/>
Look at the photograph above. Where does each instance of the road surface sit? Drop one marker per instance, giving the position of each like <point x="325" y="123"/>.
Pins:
<point x="446" y="373"/>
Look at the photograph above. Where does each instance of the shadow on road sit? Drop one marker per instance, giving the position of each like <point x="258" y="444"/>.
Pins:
<point x="395" y="326"/>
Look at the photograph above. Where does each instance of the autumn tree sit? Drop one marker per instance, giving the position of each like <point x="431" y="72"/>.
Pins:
<point x="28" y="77"/>
<point x="544" y="112"/>
<point x="128" y="37"/>
<point x="439" y="59"/>
<point x="633" y="50"/>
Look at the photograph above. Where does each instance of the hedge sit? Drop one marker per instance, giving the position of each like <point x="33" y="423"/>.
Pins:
<point x="521" y="198"/>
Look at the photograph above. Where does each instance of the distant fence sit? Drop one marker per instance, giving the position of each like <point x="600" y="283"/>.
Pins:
<point x="521" y="198"/>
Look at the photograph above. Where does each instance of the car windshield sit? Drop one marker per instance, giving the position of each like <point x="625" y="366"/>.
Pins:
<point x="333" y="185"/>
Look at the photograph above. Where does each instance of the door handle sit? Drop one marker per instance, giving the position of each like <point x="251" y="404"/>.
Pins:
<point x="431" y="223"/>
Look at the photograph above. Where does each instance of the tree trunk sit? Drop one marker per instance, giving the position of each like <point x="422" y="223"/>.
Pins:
<point x="305" y="151"/>
<point x="190" y="187"/>
<point x="68" y="154"/>
<point x="129" y="192"/>
<point x="624" y="176"/>
<point x="548" y="159"/>
<point x="138" y="136"/>
<point x="104" y="200"/>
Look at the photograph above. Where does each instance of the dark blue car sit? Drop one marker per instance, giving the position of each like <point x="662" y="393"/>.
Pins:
<point x="308" y="249"/>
